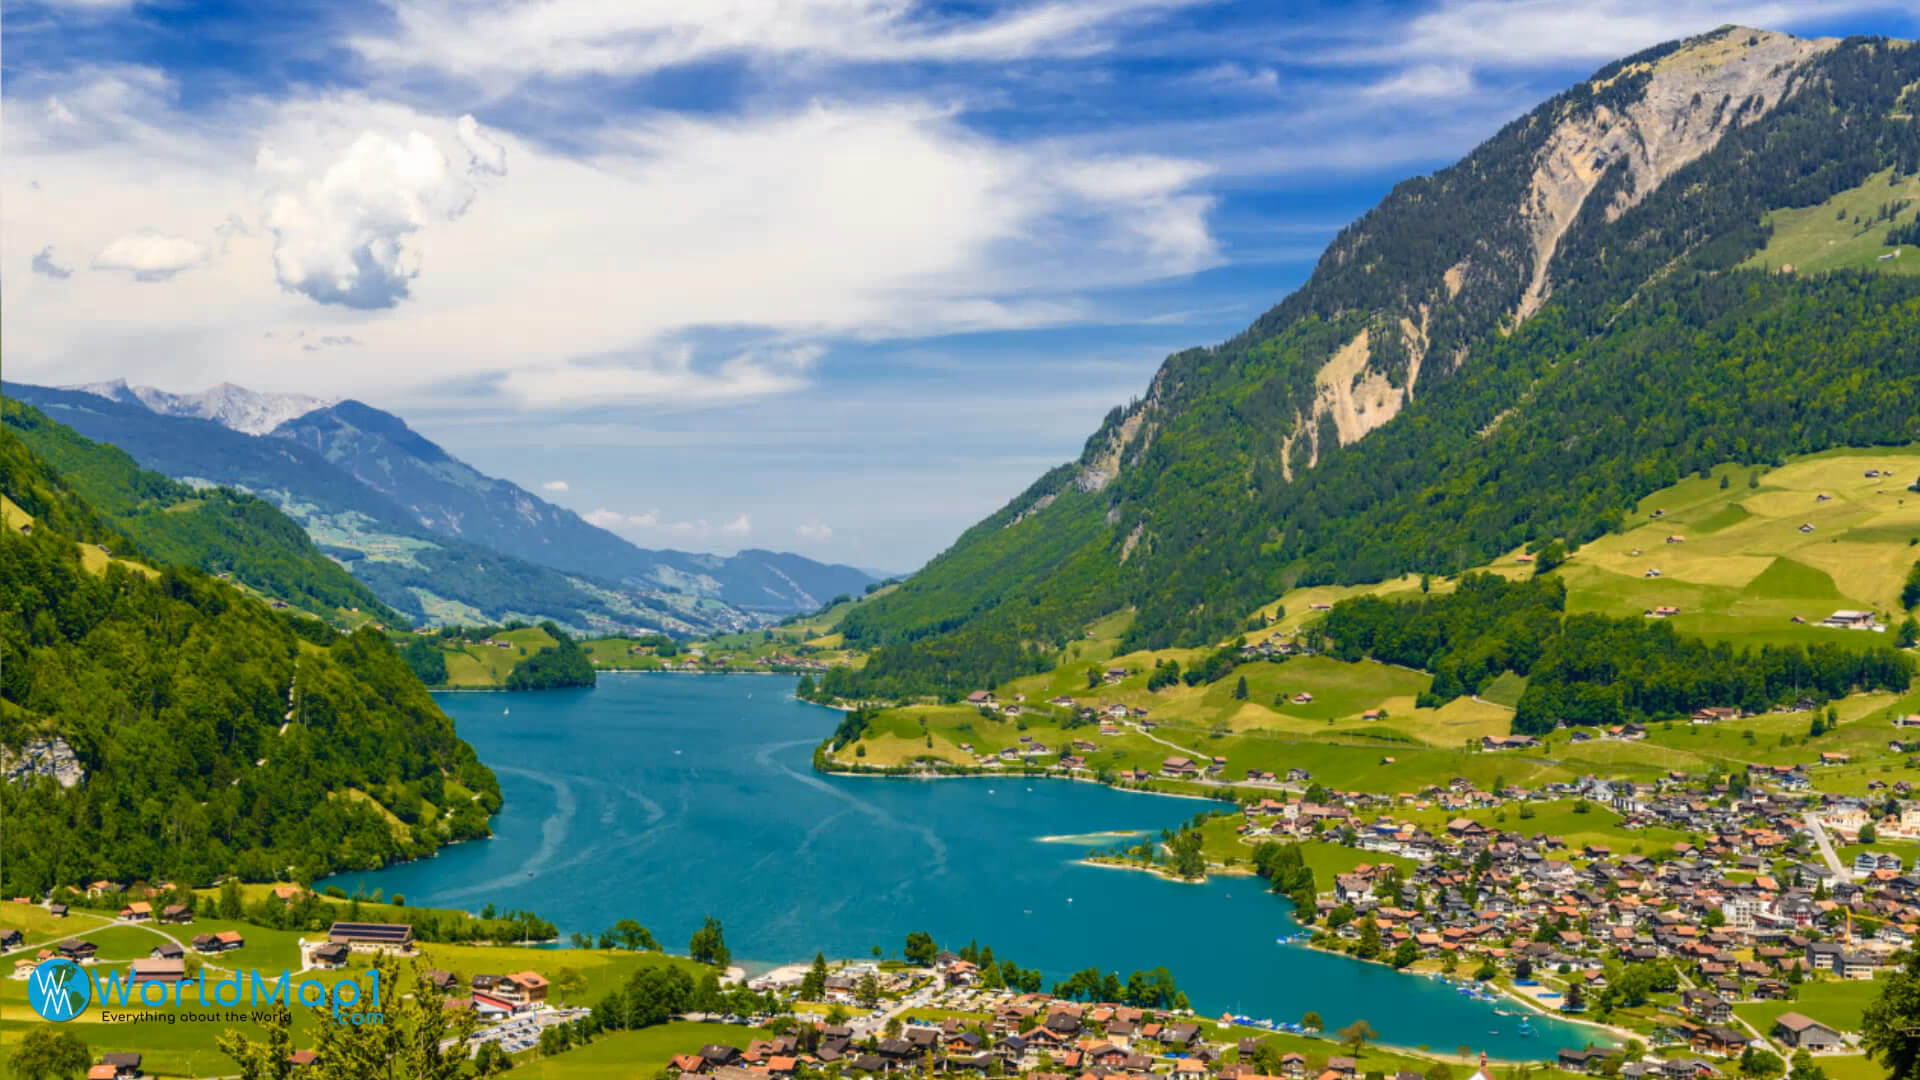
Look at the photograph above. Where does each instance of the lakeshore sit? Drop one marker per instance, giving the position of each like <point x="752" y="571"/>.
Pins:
<point x="708" y="783"/>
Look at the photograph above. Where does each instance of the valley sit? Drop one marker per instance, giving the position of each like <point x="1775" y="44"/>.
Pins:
<point x="1498" y="656"/>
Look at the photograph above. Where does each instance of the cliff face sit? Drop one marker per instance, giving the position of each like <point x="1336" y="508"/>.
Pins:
<point x="42" y="757"/>
<point x="1646" y="117"/>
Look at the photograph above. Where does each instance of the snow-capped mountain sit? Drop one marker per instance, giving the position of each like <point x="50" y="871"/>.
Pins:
<point x="236" y="407"/>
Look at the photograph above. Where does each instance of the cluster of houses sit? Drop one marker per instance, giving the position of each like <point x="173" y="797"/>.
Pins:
<point x="1747" y="913"/>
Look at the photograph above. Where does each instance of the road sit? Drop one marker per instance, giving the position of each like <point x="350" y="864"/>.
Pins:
<point x="1826" y="848"/>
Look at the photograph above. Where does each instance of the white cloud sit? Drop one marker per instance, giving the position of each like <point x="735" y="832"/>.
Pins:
<point x="1522" y="33"/>
<point x="339" y="237"/>
<point x="483" y="153"/>
<point x="559" y="486"/>
<point x="1427" y="81"/>
<point x="581" y="275"/>
<point x="671" y="375"/>
<point x="150" y="256"/>
<point x="511" y="40"/>
<point x="652" y="526"/>
<point x="814" y="532"/>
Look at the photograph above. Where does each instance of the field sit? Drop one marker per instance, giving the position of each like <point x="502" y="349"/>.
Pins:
<point x="475" y="665"/>
<point x="636" y="1054"/>
<point x="1836" y="1003"/>
<point x="1844" y="233"/>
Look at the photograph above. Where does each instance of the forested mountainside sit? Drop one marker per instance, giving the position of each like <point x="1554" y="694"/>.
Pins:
<point x="208" y="733"/>
<point x="1512" y="349"/>
<point x="410" y="568"/>
<point x="217" y="530"/>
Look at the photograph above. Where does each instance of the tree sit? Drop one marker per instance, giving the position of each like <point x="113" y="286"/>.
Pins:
<point x="1574" y="1000"/>
<point x="813" y="985"/>
<point x="490" y="1060"/>
<point x="632" y="935"/>
<point x="1356" y="1035"/>
<point x="49" y="1053"/>
<point x="231" y="906"/>
<point x="919" y="948"/>
<point x="1886" y="1026"/>
<point x="868" y="992"/>
<point x="1760" y="1064"/>
<point x="1369" y="944"/>
<point x="1868" y="834"/>
<point x="1311" y="1020"/>
<point x="1805" y="1068"/>
<point x="1403" y="954"/>
<point x="1909" y="633"/>
<point x="420" y="1039"/>
<point x="1553" y="553"/>
<point x="709" y="944"/>
<point x="569" y="981"/>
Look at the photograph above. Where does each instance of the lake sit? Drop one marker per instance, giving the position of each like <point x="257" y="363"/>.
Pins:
<point x="665" y="798"/>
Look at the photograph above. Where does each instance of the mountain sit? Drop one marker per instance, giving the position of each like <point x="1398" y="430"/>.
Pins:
<point x="230" y="406"/>
<point x="215" y="530"/>
<point x="243" y="733"/>
<point x="1688" y="259"/>
<point x="451" y="498"/>
<point x="435" y="537"/>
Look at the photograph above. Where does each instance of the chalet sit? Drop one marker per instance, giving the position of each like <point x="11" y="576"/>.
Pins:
<point x="528" y="986"/>
<point x="1849" y="620"/>
<point x="1179" y="766"/>
<point x="168" y="950"/>
<point x="77" y="950"/>
<point x="372" y="937"/>
<point x="331" y="955"/>
<point x="1664" y="611"/>
<point x="1804" y="1033"/>
<point x="58" y="911"/>
<point x="980" y="697"/>
<point x="1303" y="698"/>
<point x="1718" y="1039"/>
<point x="125" y="1065"/>
<point x="1715" y="715"/>
<point x="138" y="911"/>
<point x="1676" y="539"/>
<point x="152" y="969"/>
<point x="1579" y="1061"/>
<point x="176" y="913"/>
<point x="11" y="939"/>
<point x="1507" y="742"/>
<point x="1704" y="1006"/>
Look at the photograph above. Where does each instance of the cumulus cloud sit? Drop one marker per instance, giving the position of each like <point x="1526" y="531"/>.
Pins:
<point x="483" y="153"/>
<point x="43" y="264"/>
<point x="1425" y="82"/>
<point x="581" y="275"/>
<point x="555" y="486"/>
<point x="651" y="525"/>
<point x="814" y="532"/>
<point x="150" y="256"/>
<point x="340" y="237"/>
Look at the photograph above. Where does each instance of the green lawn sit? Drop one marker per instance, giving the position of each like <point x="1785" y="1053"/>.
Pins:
<point x="639" y="1055"/>
<point x="1841" y="233"/>
<point x="1837" y="1003"/>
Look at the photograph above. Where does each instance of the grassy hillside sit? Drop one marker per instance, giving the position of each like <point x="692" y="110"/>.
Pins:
<point x="1846" y="232"/>
<point x="219" y="531"/>
<point x="1742" y="572"/>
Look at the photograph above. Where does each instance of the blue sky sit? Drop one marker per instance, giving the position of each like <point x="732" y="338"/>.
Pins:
<point x="831" y="276"/>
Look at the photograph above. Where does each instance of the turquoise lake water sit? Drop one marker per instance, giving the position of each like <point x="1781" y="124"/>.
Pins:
<point x="666" y="798"/>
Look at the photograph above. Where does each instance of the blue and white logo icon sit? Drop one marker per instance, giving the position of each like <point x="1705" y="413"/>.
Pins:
<point x="59" y="990"/>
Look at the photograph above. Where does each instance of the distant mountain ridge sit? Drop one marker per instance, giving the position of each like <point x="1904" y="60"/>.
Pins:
<point x="418" y="524"/>
<point x="236" y="407"/>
